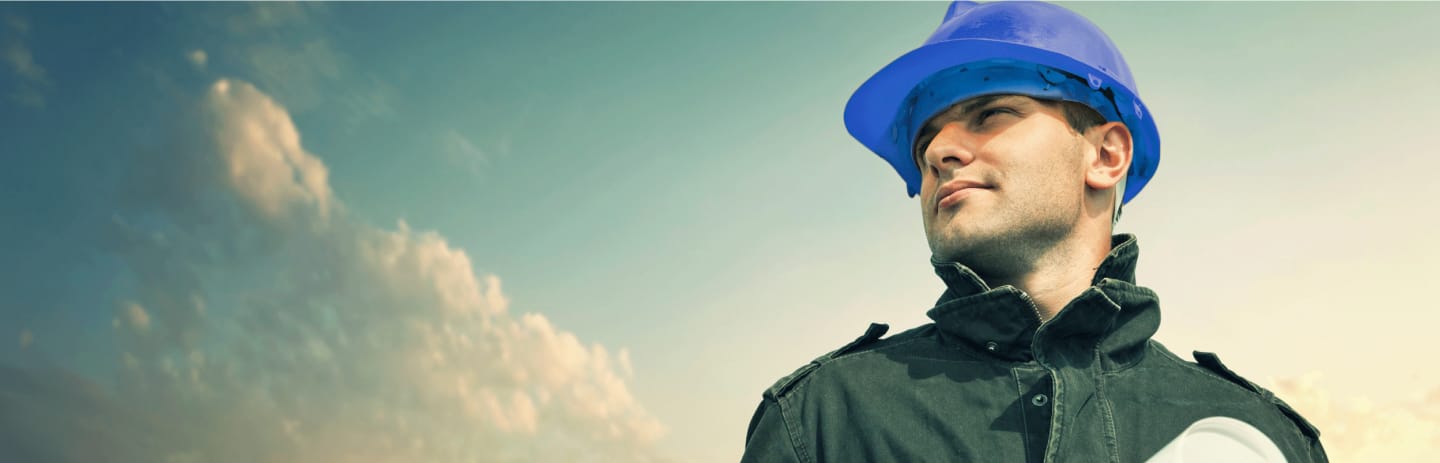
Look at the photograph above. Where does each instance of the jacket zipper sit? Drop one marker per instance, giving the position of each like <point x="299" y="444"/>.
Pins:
<point x="1033" y="307"/>
<point x="1054" y="376"/>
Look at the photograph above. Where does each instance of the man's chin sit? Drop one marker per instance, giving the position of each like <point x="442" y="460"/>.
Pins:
<point x="953" y="246"/>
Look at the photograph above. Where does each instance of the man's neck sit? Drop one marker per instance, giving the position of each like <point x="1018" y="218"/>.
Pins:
<point x="1059" y="275"/>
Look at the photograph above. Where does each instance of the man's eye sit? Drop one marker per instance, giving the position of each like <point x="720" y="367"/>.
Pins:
<point x="921" y="145"/>
<point x="984" y="115"/>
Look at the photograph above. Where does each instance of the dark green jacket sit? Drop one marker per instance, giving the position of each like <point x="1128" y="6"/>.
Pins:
<point x="988" y="382"/>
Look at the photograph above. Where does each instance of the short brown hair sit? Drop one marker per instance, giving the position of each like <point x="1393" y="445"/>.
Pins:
<point x="1080" y="116"/>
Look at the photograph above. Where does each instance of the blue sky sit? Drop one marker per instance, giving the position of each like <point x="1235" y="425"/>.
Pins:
<point x="215" y="207"/>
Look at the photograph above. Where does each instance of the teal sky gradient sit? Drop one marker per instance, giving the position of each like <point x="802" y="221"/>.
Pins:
<point x="675" y="179"/>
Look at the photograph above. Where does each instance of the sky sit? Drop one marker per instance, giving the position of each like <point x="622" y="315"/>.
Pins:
<point x="598" y="231"/>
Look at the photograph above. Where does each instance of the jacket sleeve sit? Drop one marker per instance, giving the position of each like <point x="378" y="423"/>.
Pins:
<point x="1317" y="452"/>
<point x="768" y="439"/>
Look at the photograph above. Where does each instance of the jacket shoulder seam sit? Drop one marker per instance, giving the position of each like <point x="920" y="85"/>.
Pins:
<point x="802" y="375"/>
<point x="1205" y="372"/>
<point x="783" y="386"/>
<point x="1303" y="428"/>
<point x="1210" y="361"/>
<point x="867" y="353"/>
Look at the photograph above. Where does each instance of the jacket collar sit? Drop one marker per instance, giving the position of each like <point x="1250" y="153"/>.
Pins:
<point x="1113" y="317"/>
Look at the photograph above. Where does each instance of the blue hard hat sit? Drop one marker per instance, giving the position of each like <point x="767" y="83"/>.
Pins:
<point x="1026" y="48"/>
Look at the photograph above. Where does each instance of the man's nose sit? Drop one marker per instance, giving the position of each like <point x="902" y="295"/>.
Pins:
<point x="952" y="148"/>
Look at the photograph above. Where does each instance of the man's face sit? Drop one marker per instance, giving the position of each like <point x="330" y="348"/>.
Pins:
<point x="1002" y="178"/>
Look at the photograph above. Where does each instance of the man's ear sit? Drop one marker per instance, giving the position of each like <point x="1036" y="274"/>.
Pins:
<point x="1114" y="149"/>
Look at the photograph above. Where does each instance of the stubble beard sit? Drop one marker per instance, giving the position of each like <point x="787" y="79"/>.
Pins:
<point x="1002" y="245"/>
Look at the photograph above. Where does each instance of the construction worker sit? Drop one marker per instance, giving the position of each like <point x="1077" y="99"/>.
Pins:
<point x="1020" y="128"/>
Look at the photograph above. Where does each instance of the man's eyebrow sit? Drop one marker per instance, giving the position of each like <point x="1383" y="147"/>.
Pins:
<point x="977" y="103"/>
<point x="965" y="108"/>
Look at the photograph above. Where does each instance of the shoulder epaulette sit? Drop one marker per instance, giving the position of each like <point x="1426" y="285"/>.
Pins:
<point x="873" y="333"/>
<point x="1211" y="362"/>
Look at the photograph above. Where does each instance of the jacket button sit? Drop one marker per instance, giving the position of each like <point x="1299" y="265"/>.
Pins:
<point x="1039" y="400"/>
<point x="992" y="346"/>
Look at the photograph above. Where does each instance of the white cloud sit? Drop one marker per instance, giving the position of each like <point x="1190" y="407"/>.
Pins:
<point x="284" y="48"/>
<point x="271" y="15"/>
<point x="17" y="56"/>
<point x="460" y="151"/>
<point x="263" y="158"/>
<point x="198" y="58"/>
<point x="17" y="24"/>
<point x="1357" y="429"/>
<point x="253" y="339"/>
<point x="373" y="99"/>
<point x="136" y="317"/>
<point x="297" y="73"/>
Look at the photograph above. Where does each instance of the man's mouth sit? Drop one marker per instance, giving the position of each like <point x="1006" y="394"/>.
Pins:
<point x="954" y="191"/>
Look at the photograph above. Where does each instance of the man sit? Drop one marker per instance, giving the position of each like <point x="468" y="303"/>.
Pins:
<point x="1019" y="127"/>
